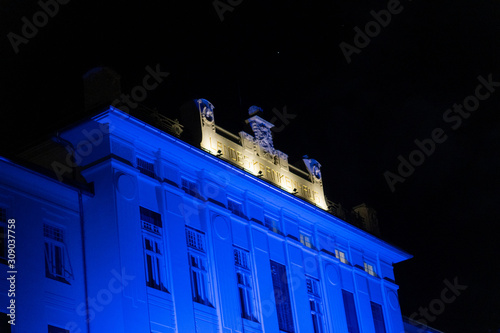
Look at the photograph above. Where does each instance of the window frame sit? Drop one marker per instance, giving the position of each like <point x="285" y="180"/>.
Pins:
<point x="155" y="267"/>
<point x="274" y="226"/>
<point x="246" y="289"/>
<point x="351" y="312"/>
<point x="238" y="210"/>
<point x="146" y="167"/>
<point x="342" y="258"/>
<point x="191" y="187"/>
<point x="379" y="323"/>
<point x="370" y="269"/>
<point x="314" y="296"/>
<point x="57" y="260"/>
<point x="305" y="239"/>
<point x="199" y="269"/>
<point x="281" y="289"/>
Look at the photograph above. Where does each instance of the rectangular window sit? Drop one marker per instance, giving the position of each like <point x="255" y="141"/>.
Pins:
<point x="3" y="235"/>
<point x="306" y="240"/>
<point x="195" y="239"/>
<point x="282" y="297"/>
<point x="378" y="317"/>
<point x="191" y="188"/>
<point x="57" y="264"/>
<point x="154" y="261"/>
<point x="146" y="168"/>
<point x="341" y="256"/>
<point x="271" y="224"/>
<point x="54" y="329"/>
<point x="245" y="284"/>
<point x="241" y="258"/>
<point x="350" y="312"/>
<point x="235" y="207"/>
<point x="198" y="264"/>
<point x="150" y="221"/>
<point x="312" y="287"/>
<point x="315" y="304"/>
<point x="369" y="269"/>
<point x="152" y="240"/>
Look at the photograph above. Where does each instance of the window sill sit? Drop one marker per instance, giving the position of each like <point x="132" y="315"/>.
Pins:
<point x="157" y="292"/>
<point x="159" y="295"/>
<point x="207" y="308"/>
<point x="252" y="324"/>
<point x="57" y="278"/>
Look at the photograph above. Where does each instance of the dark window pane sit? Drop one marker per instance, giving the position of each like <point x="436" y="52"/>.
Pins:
<point x="350" y="312"/>
<point x="149" y="264"/>
<point x="150" y="217"/>
<point x="378" y="317"/>
<point x="58" y="261"/>
<point x="282" y="297"/>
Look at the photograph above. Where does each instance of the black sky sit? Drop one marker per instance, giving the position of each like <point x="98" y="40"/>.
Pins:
<point x="355" y="119"/>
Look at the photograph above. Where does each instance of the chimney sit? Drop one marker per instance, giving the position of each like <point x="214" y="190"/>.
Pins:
<point x="369" y="216"/>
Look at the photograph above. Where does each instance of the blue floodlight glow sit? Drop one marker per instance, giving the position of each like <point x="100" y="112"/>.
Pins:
<point x="167" y="237"/>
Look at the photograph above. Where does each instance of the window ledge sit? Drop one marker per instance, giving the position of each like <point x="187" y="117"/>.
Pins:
<point x="252" y="324"/>
<point x="205" y="308"/>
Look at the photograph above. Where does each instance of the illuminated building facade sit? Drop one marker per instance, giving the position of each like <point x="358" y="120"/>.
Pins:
<point x="168" y="237"/>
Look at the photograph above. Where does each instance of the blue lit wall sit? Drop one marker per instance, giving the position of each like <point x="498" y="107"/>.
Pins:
<point x="190" y="189"/>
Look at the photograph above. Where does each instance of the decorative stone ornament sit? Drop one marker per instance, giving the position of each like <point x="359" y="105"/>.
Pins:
<point x="314" y="168"/>
<point x="263" y="135"/>
<point x="206" y="112"/>
<point x="256" y="154"/>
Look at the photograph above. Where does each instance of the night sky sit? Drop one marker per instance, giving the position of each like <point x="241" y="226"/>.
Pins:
<point x="355" y="115"/>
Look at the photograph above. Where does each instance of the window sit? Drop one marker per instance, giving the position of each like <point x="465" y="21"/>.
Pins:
<point x="271" y="224"/>
<point x="198" y="264"/>
<point x="150" y="221"/>
<point x="378" y="317"/>
<point x="341" y="256"/>
<point x="54" y="329"/>
<point x="191" y="188"/>
<point x="57" y="264"/>
<point x="350" y="312"/>
<point x="315" y="304"/>
<point x="245" y="284"/>
<point x="235" y="207"/>
<point x="195" y="240"/>
<point x="369" y="269"/>
<point x="306" y="240"/>
<point x="152" y="241"/>
<point x="146" y="168"/>
<point x="3" y="235"/>
<point x="312" y="286"/>
<point x="282" y="297"/>
<point x="153" y="256"/>
<point x="241" y="258"/>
